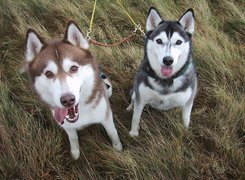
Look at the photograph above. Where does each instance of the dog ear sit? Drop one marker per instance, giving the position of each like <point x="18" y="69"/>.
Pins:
<point x="187" y="21"/>
<point x="34" y="44"/>
<point x="153" y="19"/>
<point x="74" y="35"/>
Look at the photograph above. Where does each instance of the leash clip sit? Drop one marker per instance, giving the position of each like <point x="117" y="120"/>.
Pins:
<point x="88" y="35"/>
<point x="138" y="28"/>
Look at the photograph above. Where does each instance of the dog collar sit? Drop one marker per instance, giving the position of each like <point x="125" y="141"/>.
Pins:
<point x="182" y="70"/>
<point x="148" y="71"/>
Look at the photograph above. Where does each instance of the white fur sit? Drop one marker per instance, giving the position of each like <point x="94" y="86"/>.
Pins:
<point x="68" y="63"/>
<point x="51" y="90"/>
<point x="131" y="105"/>
<point x="76" y="38"/>
<point x="153" y="20"/>
<point x="33" y="46"/>
<point x="162" y="102"/>
<point x="81" y="85"/>
<point x="177" y="83"/>
<point x="108" y="90"/>
<point x="187" y="22"/>
<point x="46" y="87"/>
<point x="90" y="114"/>
<point x="156" y="52"/>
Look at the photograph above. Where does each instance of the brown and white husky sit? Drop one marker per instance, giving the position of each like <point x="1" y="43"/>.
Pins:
<point x="65" y="75"/>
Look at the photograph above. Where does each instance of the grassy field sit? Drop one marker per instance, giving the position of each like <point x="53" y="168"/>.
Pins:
<point x="32" y="146"/>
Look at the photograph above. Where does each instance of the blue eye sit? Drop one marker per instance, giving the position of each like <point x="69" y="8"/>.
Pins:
<point x="159" y="41"/>
<point x="179" y="42"/>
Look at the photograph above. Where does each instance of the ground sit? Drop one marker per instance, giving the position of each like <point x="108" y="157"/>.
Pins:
<point x="33" y="146"/>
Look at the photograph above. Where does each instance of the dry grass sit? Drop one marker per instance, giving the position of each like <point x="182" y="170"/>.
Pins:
<point x="32" y="145"/>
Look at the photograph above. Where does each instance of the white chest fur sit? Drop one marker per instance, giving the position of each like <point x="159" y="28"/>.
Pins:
<point x="166" y="101"/>
<point x="89" y="114"/>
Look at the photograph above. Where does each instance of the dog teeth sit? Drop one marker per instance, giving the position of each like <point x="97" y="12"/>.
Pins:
<point x="71" y="118"/>
<point x="71" y="113"/>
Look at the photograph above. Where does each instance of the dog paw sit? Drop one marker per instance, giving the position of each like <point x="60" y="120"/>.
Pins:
<point x="129" y="108"/>
<point x="75" y="153"/>
<point x="134" y="133"/>
<point x="118" y="146"/>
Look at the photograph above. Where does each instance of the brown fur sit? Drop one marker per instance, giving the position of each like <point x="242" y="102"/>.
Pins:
<point x="57" y="50"/>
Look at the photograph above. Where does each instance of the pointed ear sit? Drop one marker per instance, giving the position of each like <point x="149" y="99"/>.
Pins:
<point x="74" y="35"/>
<point x="34" y="44"/>
<point x="153" y="19"/>
<point x="187" y="21"/>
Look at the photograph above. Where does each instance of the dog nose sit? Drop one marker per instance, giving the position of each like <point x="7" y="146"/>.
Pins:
<point x="67" y="100"/>
<point x="168" y="60"/>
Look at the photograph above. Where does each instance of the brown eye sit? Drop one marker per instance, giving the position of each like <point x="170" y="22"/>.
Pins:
<point x="49" y="74"/>
<point x="159" y="41"/>
<point x="179" y="42"/>
<point x="73" y="69"/>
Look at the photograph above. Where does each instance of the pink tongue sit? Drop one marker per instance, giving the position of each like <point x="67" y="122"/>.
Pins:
<point x="166" y="71"/>
<point x="60" y="114"/>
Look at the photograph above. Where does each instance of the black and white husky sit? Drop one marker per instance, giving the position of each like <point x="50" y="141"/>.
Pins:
<point x="166" y="77"/>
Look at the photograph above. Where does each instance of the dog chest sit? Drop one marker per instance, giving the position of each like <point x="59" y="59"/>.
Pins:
<point x="89" y="114"/>
<point x="167" y="101"/>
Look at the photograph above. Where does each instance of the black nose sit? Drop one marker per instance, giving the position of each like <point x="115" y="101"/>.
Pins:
<point x="67" y="100"/>
<point x="168" y="60"/>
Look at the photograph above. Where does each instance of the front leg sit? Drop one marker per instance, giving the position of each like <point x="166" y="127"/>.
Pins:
<point x="74" y="143"/>
<point x="109" y="126"/>
<point x="186" y="113"/>
<point x="138" y="108"/>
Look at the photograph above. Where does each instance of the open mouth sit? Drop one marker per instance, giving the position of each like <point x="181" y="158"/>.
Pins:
<point x="70" y="114"/>
<point x="166" y="71"/>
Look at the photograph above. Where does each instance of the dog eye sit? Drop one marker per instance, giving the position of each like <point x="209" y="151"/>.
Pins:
<point x="179" y="42"/>
<point x="159" y="41"/>
<point x="73" y="69"/>
<point x="49" y="74"/>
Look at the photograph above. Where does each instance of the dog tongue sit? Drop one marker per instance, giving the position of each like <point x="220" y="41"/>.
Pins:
<point x="166" y="71"/>
<point x="60" y="114"/>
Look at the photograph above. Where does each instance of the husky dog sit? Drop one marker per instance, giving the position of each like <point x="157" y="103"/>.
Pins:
<point x="65" y="75"/>
<point x="166" y="77"/>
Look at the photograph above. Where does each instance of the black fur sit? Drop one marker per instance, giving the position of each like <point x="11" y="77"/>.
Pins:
<point x="145" y="71"/>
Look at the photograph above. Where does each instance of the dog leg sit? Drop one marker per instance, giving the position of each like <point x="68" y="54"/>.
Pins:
<point x="131" y="105"/>
<point x="186" y="113"/>
<point x="74" y="144"/>
<point x="109" y="126"/>
<point x="138" y="108"/>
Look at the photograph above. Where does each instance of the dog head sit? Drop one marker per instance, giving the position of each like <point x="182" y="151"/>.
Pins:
<point x="59" y="69"/>
<point x="168" y="42"/>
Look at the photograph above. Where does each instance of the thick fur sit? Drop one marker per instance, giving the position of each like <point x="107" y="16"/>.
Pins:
<point x="63" y="67"/>
<point x="157" y="84"/>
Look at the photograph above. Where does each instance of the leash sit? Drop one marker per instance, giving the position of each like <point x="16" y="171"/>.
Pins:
<point x="137" y="26"/>
<point x="94" y="42"/>
<point x="134" y="32"/>
<point x="91" y="21"/>
<point x="127" y="13"/>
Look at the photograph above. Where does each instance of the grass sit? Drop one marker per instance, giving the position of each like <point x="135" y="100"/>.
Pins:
<point x="32" y="145"/>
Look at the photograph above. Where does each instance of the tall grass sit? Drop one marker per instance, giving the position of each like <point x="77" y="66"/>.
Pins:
<point x="32" y="145"/>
